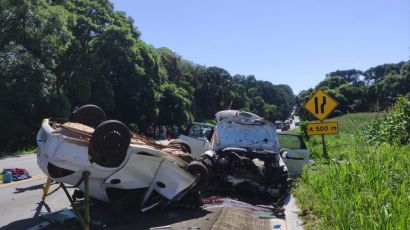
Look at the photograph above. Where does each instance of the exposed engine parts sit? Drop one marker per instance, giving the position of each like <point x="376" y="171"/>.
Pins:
<point x="256" y="169"/>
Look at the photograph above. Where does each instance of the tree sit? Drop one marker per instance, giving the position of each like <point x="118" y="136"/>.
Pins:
<point x="350" y="76"/>
<point x="210" y="96"/>
<point x="171" y="63"/>
<point x="33" y="36"/>
<point x="23" y="96"/>
<point x="61" y="54"/>
<point x="380" y="89"/>
<point x="174" y="107"/>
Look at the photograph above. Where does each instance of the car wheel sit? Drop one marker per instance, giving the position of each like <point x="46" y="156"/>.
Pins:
<point x="185" y="147"/>
<point x="109" y="143"/>
<point x="201" y="172"/>
<point x="90" y="115"/>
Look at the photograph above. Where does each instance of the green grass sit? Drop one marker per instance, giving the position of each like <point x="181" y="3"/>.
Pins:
<point x="351" y="123"/>
<point x="360" y="187"/>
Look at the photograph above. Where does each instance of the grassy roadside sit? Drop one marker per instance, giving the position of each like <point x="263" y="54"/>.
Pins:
<point x="18" y="153"/>
<point x="360" y="187"/>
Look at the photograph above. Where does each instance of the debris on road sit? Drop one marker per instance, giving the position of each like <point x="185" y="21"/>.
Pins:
<point x="16" y="174"/>
<point x="60" y="217"/>
<point x="219" y="201"/>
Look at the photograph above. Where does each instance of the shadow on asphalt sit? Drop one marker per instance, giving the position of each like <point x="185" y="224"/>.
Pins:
<point x="22" y="224"/>
<point x="106" y="219"/>
<point x="9" y="155"/>
<point x="40" y="206"/>
<point x="4" y="155"/>
<point x="166" y="217"/>
<point x="30" y="188"/>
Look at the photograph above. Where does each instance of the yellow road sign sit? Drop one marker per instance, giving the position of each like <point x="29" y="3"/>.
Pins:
<point x="321" y="105"/>
<point x="323" y="128"/>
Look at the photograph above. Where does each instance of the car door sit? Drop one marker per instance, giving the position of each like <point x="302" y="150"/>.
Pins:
<point x="294" y="153"/>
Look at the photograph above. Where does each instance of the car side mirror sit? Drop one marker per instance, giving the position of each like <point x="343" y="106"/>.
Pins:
<point x="284" y="152"/>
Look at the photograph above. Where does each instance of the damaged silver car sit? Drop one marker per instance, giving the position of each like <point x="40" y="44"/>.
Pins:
<point x="246" y="154"/>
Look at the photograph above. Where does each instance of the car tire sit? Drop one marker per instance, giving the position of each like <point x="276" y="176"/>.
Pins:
<point x="109" y="143"/>
<point x="184" y="146"/>
<point x="198" y="169"/>
<point x="90" y="115"/>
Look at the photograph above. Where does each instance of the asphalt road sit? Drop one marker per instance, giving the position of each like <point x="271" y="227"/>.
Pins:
<point x="20" y="201"/>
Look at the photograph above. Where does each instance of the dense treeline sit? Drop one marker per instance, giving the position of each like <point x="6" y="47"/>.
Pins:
<point x="373" y="90"/>
<point x="56" y="55"/>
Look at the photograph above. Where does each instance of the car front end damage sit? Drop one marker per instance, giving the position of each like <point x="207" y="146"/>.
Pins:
<point x="245" y="156"/>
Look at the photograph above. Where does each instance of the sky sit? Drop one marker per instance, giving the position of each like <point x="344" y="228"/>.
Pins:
<point x="282" y="41"/>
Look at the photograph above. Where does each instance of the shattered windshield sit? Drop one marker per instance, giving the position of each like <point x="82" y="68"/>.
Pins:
<point x="259" y="135"/>
<point x="199" y="131"/>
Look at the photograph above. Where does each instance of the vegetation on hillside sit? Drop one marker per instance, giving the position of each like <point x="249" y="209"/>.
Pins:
<point x="56" y="55"/>
<point x="363" y="185"/>
<point x="373" y="90"/>
<point x="393" y="129"/>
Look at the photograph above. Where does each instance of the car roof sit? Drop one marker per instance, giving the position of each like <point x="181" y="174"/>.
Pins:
<point x="235" y="114"/>
<point x="204" y="124"/>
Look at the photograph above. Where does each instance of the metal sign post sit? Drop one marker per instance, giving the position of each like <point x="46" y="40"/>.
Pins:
<point x="321" y="105"/>
<point x="324" y="147"/>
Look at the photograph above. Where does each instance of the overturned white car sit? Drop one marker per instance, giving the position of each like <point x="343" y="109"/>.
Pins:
<point x="246" y="154"/>
<point x="124" y="167"/>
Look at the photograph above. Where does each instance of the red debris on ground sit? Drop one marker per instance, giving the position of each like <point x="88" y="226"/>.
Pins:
<point x="18" y="173"/>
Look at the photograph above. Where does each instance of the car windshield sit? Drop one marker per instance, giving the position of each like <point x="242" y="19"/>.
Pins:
<point x="199" y="131"/>
<point x="258" y="134"/>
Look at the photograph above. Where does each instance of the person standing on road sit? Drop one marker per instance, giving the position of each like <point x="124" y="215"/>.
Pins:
<point x="156" y="133"/>
<point x="169" y="132"/>
<point x="175" y="133"/>
<point x="163" y="132"/>
<point x="150" y="131"/>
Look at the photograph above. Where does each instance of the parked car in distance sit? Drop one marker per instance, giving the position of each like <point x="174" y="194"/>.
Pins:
<point x="279" y="125"/>
<point x="286" y="125"/>
<point x="196" y="139"/>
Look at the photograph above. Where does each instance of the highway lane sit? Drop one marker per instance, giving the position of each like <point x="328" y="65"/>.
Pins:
<point x="20" y="201"/>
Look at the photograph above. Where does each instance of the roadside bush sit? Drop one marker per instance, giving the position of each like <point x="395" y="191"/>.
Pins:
<point x="393" y="129"/>
<point x="362" y="186"/>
